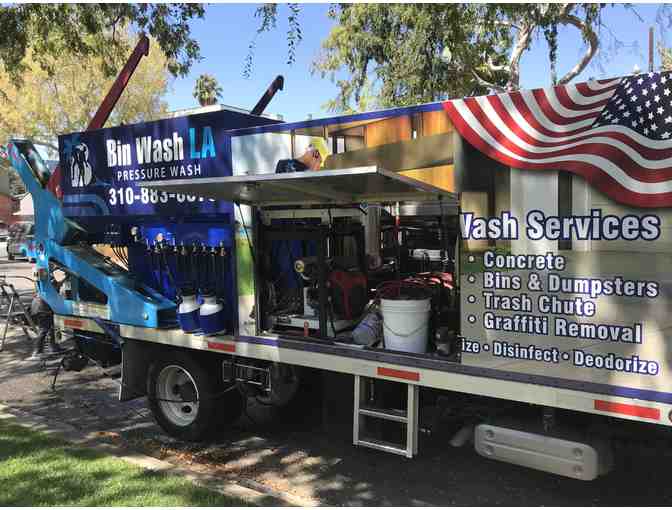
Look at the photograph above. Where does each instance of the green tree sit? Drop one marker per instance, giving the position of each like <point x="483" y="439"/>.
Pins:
<point x="94" y="30"/>
<point x="64" y="100"/>
<point x="207" y="90"/>
<point x="410" y="53"/>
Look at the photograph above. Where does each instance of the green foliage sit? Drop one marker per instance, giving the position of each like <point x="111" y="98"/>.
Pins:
<point x="427" y="52"/>
<point x="207" y="90"/>
<point x="268" y="15"/>
<point x="294" y="35"/>
<point x="399" y="48"/>
<point x="94" y="30"/>
<point x="64" y="98"/>
<point x="399" y="54"/>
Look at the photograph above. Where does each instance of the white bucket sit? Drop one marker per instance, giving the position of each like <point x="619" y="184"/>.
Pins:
<point x="405" y="324"/>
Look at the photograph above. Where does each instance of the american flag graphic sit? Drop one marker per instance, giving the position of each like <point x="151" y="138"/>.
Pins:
<point x="615" y="133"/>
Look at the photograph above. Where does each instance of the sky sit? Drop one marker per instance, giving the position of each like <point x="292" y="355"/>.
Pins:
<point x="227" y="30"/>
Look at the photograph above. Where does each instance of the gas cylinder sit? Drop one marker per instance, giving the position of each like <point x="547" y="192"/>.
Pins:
<point x="187" y="312"/>
<point x="211" y="315"/>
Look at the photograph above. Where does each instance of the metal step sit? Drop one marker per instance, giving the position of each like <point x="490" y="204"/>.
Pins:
<point x="561" y="456"/>
<point x="408" y="417"/>
<point x="384" y="446"/>
<point x="385" y="414"/>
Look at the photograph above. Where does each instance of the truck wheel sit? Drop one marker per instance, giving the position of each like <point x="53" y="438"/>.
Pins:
<point x="188" y="401"/>
<point x="301" y="401"/>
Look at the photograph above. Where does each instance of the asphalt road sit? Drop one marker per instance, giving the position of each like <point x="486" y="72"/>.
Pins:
<point x="296" y="455"/>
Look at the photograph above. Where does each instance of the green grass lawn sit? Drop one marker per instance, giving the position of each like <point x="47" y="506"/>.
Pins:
<point x="40" y="470"/>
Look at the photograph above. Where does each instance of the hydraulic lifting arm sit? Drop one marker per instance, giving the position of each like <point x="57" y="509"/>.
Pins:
<point x="277" y="84"/>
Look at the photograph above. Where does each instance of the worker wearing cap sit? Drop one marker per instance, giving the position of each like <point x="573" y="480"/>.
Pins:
<point x="309" y="160"/>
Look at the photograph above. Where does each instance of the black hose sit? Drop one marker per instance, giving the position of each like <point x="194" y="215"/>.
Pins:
<point x="152" y="265"/>
<point x="169" y="273"/>
<point x="194" y="267"/>
<point x="159" y="266"/>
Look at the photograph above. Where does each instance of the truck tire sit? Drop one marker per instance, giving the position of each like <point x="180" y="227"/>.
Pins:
<point x="189" y="401"/>
<point x="307" y="395"/>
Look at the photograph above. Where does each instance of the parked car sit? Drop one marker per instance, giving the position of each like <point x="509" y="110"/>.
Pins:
<point x="20" y="240"/>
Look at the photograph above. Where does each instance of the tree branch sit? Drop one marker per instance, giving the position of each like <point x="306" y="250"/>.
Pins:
<point x="507" y="23"/>
<point x="593" y="44"/>
<point x="485" y="83"/>
<point x="522" y="43"/>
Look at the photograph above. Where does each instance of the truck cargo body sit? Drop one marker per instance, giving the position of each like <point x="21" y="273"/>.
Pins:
<point x="556" y="289"/>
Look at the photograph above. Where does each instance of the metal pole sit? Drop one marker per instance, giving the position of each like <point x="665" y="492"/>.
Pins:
<point x="650" y="49"/>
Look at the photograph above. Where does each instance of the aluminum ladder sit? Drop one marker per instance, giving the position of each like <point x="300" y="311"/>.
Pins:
<point x="13" y="311"/>
<point x="408" y="417"/>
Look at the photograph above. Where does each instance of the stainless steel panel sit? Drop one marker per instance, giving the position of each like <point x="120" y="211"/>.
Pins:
<point x="546" y="453"/>
<point x="434" y="208"/>
<point x="348" y="186"/>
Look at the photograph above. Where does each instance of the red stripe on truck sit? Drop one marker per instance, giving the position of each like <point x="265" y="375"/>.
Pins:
<point x="73" y="323"/>
<point x="222" y="347"/>
<point x="399" y="374"/>
<point x="631" y="410"/>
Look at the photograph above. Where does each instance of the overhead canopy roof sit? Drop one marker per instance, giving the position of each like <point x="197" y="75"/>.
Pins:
<point x="345" y="186"/>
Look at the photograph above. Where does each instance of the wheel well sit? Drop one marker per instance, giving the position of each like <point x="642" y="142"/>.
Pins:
<point x="138" y="356"/>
